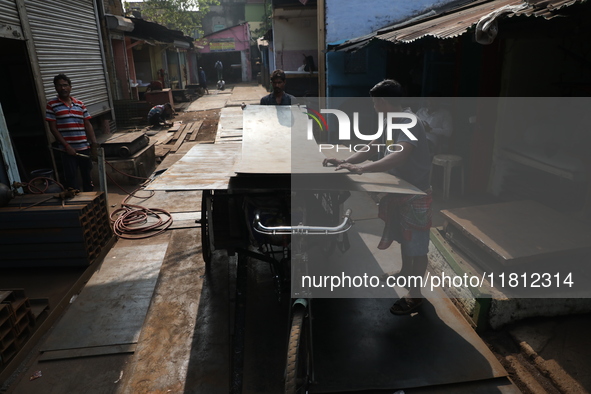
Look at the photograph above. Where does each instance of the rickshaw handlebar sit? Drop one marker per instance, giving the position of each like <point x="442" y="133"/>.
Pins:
<point x="345" y="225"/>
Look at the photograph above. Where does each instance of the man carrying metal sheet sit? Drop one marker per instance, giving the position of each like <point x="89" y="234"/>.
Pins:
<point x="69" y="123"/>
<point x="407" y="217"/>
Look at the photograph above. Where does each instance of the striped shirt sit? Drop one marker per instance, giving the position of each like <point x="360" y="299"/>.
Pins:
<point x="69" y="121"/>
<point x="156" y="110"/>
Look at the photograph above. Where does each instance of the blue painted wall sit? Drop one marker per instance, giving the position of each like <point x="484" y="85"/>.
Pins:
<point x="352" y="75"/>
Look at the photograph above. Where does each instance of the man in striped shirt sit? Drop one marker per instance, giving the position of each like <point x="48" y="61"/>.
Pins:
<point x="69" y="122"/>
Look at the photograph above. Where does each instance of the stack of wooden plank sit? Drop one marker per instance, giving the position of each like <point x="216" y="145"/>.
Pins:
<point x="179" y="133"/>
<point x="41" y="230"/>
<point x="16" y="323"/>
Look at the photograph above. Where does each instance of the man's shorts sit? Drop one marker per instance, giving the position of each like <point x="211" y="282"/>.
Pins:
<point x="418" y="245"/>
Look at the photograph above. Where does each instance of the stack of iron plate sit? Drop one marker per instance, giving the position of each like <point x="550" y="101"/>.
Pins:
<point x="16" y="323"/>
<point x="41" y="231"/>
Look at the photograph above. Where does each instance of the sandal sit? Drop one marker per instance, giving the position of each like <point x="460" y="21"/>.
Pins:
<point x="405" y="306"/>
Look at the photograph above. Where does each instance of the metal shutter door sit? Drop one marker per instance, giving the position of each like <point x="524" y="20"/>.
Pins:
<point x="10" y="23"/>
<point x="67" y="40"/>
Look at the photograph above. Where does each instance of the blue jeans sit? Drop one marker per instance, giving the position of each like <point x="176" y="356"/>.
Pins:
<point x="418" y="245"/>
<point x="71" y="166"/>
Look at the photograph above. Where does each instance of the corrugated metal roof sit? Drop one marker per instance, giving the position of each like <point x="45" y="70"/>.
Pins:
<point x="457" y="22"/>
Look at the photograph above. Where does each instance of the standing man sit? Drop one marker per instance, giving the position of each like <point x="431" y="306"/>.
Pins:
<point x="220" y="70"/>
<point x="69" y="122"/>
<point x="278" y="97"/>
<point x="203" y="80"/>
<point x="407" y="217"/>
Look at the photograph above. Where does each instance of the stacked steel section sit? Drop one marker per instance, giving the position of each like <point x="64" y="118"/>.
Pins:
<point x="16" y="323"/>
<point x="41" y="230"/>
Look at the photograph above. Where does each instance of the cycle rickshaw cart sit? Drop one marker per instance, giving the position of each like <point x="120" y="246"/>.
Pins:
<point x="283" y="209"/>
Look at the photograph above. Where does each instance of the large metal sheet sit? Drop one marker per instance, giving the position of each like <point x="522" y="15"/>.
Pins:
<point x="112" y="307"/>
<point x="520" y="231"/>
<point x="204" y="167"/>
<point x="275" y="142"/>
<point x="229" y="126"/>
<point x="266" y="150"/>
<point x="358" y="344"/>
<point x="266" y="139"/>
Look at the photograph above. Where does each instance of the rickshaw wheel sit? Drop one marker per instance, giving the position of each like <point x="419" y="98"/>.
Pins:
<point x="205" y="228"/>
<point x="298" y="357"/>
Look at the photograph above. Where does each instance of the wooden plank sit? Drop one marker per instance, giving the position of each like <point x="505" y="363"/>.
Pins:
<point x="161" y="150"/>
<point x="196" y="130"/>
<point x="167" y="140"/>
<point x="179" y="142"/>
<point x="179" y="132"/>
<point x="190" y="127"/>
<point x="87" y="352"/>
<point x="124" y="138"/>
<point x="175" y="127"/>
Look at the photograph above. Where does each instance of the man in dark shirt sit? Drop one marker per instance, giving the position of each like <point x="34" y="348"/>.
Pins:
<point x="407" y="217"/>
<point x="278" y="97"/>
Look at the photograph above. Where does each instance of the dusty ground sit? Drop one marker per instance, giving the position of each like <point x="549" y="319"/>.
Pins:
<point x="210" y="122"/>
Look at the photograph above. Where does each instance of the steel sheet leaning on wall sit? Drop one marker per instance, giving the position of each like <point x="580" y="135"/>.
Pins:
<point x="67" y="40"/>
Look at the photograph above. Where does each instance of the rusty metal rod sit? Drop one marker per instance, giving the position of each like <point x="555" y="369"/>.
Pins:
<point x="77" y="154"/>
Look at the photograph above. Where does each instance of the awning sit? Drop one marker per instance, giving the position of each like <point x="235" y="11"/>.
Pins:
<point x="456" y="22"/>
<point x="153" y="32"/>
<point x="119" y="23"/>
